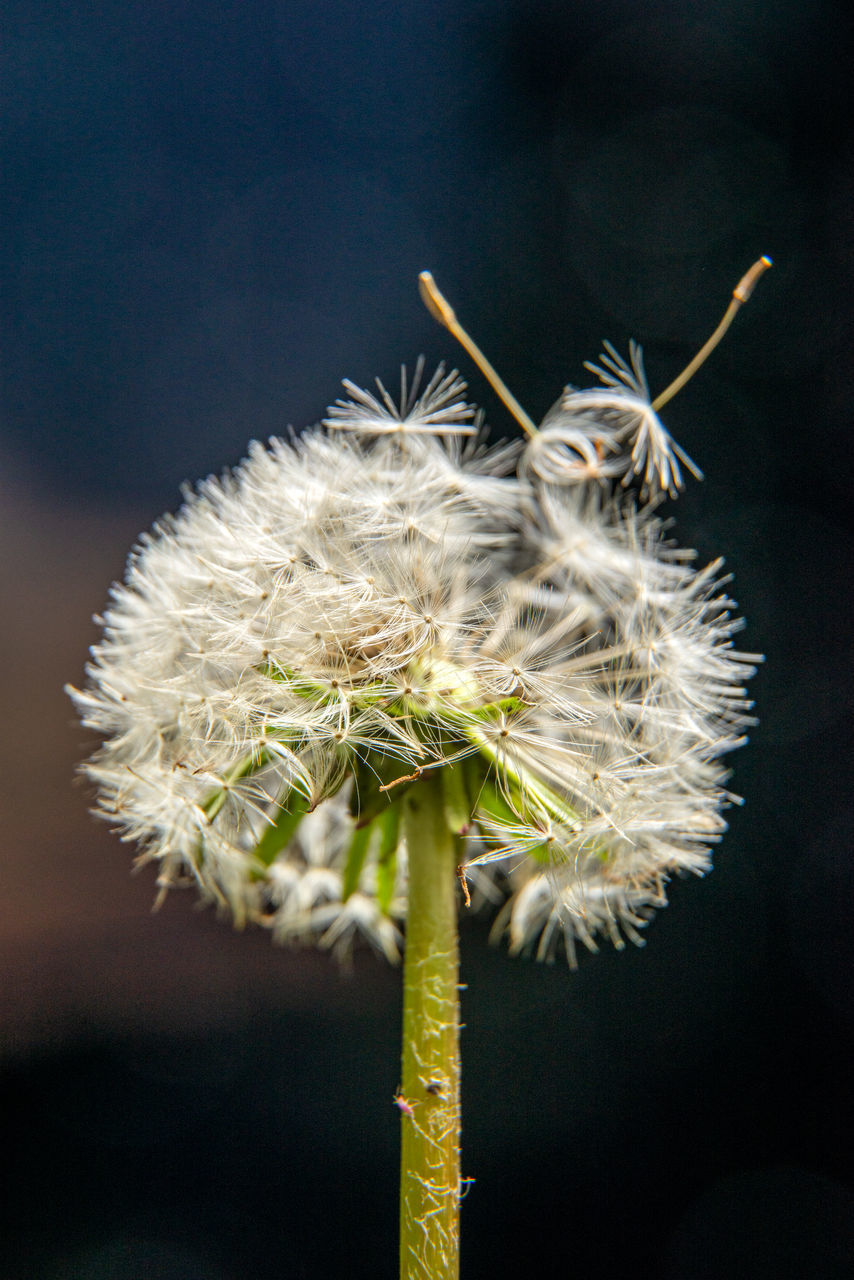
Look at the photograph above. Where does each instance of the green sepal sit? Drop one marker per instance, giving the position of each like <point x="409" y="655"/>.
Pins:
<point x="524" y="790"/>
<point x="356" y="855"/>
<point x="458" y="808"/>
<point x="389" y="825"/>
<point x="317" y="691"/>
<point x="249" y="764"/>
<point x="542" y="853"/>
<point x="367" y="802"/>
<point x="282" y="830"/>
<point x="508" y="706"/>
<point x="491" y="803"/>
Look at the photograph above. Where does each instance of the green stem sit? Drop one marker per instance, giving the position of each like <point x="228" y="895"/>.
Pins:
<point x="430" y="1077"/>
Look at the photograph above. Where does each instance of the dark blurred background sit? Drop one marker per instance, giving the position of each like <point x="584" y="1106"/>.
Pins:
<point x="210" y="214"/>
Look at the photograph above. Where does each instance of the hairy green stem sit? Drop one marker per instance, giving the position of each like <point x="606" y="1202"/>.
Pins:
<point x="429" y="1098"/>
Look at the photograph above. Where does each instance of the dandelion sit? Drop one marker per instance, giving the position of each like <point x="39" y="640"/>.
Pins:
<point x="385" y="662"/>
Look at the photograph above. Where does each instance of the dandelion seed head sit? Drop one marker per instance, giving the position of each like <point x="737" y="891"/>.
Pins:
<point x="389" y="594"/>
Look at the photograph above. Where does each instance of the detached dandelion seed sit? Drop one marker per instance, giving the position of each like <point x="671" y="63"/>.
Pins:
<point x="386" y="667"/>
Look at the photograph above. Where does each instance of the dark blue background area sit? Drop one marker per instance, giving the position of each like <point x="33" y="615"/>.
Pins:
<point x="210" y="215"/>
<point x="213" y="213"/>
